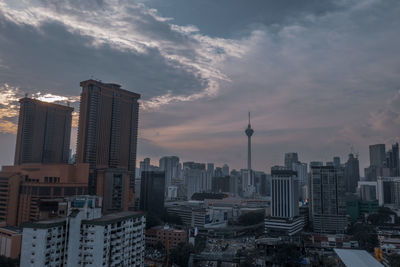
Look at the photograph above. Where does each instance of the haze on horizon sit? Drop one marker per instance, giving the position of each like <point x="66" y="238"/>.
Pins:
<point x="318" y="76"/>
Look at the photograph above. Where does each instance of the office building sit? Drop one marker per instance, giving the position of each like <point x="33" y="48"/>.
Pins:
<point x="284" y="217"/>
<point x="85" y="238"/>
<point x="152" y="192"/>
<point x="351" y="173"/>
<point x="377" y="156"/>
<point x="170" y="165"/>
<point x="302" y="175"/>
<point x="225" y="170"/>
<point x="336" y="161"/>
<point x="196" y="178"/>
<point x="392" y="160"/>
<point x="328" y="199"/>
<point x="388" y="191"/>
<point x="26" y="187"/>
<point x="290" y="158"/>
<point x="44" y="131"/>
<point x="368" y="190"/>
<point x="107" y="134"/>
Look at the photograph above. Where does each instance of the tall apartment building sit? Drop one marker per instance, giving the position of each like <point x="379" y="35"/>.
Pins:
<point x="152" y="192"/>
<point x="196" y="178"/>
<point x="170" y="165"/>
<point x="10" y="241"/>
<point x="44" y="131"/>
<point x="107" y="138"/>
<point x="328" y="199"/>
<point x="85" y="238"/>
<point x="284" y="204"/>
<point x="25" y="188"/>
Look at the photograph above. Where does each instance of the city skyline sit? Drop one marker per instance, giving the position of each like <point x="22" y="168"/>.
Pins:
<point x="318" y="78"/>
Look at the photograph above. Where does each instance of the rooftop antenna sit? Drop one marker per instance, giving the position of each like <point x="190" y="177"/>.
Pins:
<point x="249" y="117"/>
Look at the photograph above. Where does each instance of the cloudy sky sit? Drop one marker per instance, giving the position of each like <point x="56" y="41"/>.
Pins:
<point x="318" y="76"/>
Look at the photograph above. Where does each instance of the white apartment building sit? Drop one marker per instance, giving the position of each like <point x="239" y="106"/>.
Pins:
<point x="85" y="238"/>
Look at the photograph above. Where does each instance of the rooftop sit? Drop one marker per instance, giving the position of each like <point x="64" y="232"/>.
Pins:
<point x="114" y="217"/>
<point x="356" y="258"/>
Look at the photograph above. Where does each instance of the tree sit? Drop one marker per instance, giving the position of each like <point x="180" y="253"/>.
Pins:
<point x="181" y="254"/>
<point x="394" y="260"/>
<point x="251" y="218"/>
<point x="172" y="218"/>
<point x="382" y="217"/>
<point x="287" y="255"/>
<point x="365" y="235"/>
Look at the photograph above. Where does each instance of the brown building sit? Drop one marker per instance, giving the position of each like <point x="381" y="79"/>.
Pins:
<point x="10" y="241"/>
<point x="164" y="235"/>
<point x="26" y="190"/>
<point x="44" y="131"/>
<point x="107" y="139"/>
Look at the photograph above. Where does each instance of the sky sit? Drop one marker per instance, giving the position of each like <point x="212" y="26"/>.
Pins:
<point x="321" y="78"/>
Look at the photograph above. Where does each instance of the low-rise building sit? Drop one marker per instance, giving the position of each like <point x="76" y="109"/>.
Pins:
<point x="166" y="235"/>
<point x="10" y="241"/>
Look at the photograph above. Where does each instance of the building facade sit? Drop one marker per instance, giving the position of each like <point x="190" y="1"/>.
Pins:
<point x="107" y="133"/>
<point x="152" y="192"/>
<point x="44" y="131"/>
<point x="85" y="238"/>
<point x="328" y="199"/>
<point x="24" y="188"/>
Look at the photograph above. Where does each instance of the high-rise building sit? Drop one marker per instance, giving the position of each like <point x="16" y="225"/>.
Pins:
<point x="302" y="175"/>
<point x="285" y="200"/>
<point x="152" y="192"/>
<point x="351" y="173"/>
<point x="44" y="131"/>
<point x="377" y="156"/>
<point x="328" y="199"/>
<point x="196" y="178"/>
<point x="290" y="158"/>
<point x="225" y="170"/>
<point x="85" y="238"/>
<point x="107" y="134"/>
<point x="388" y="191"/>
<point x="284" y="203"/>
<point x="249" y="187"/>
<point x="336" y="161"/>
<point x="170" y="165"/>
<point x="392" y="160"/>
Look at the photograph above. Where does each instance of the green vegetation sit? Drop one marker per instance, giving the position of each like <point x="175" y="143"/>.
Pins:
<point x="181" y="254"/>
<point x="382" y="217"/>
<point x="287" y="255"/>
<point x="365" y="234"/>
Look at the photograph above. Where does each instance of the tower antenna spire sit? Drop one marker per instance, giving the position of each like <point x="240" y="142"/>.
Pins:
<point x="249" y="117"/>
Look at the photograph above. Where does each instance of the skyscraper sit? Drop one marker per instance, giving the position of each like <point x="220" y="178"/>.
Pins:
<point x="328" y="199"/>
<point x="392" y="160"/>
<point x="44" y="131"/>
<point x="284" y="203"/>
<point x="377" y="155"/>
<point x="225" y="170"/>
<point x="290" y="158"/>
<point x="107" y="134"/>
<point x="249" y="132"/>
<point x="352" y="173"/>
<point x="172" y="169"/>
<point x="152" y="192"/>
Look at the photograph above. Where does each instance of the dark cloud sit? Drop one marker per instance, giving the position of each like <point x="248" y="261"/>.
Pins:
<point x="53" y="58"/>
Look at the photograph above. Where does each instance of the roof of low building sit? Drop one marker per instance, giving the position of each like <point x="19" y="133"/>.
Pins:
<point x="356" y="258"/>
